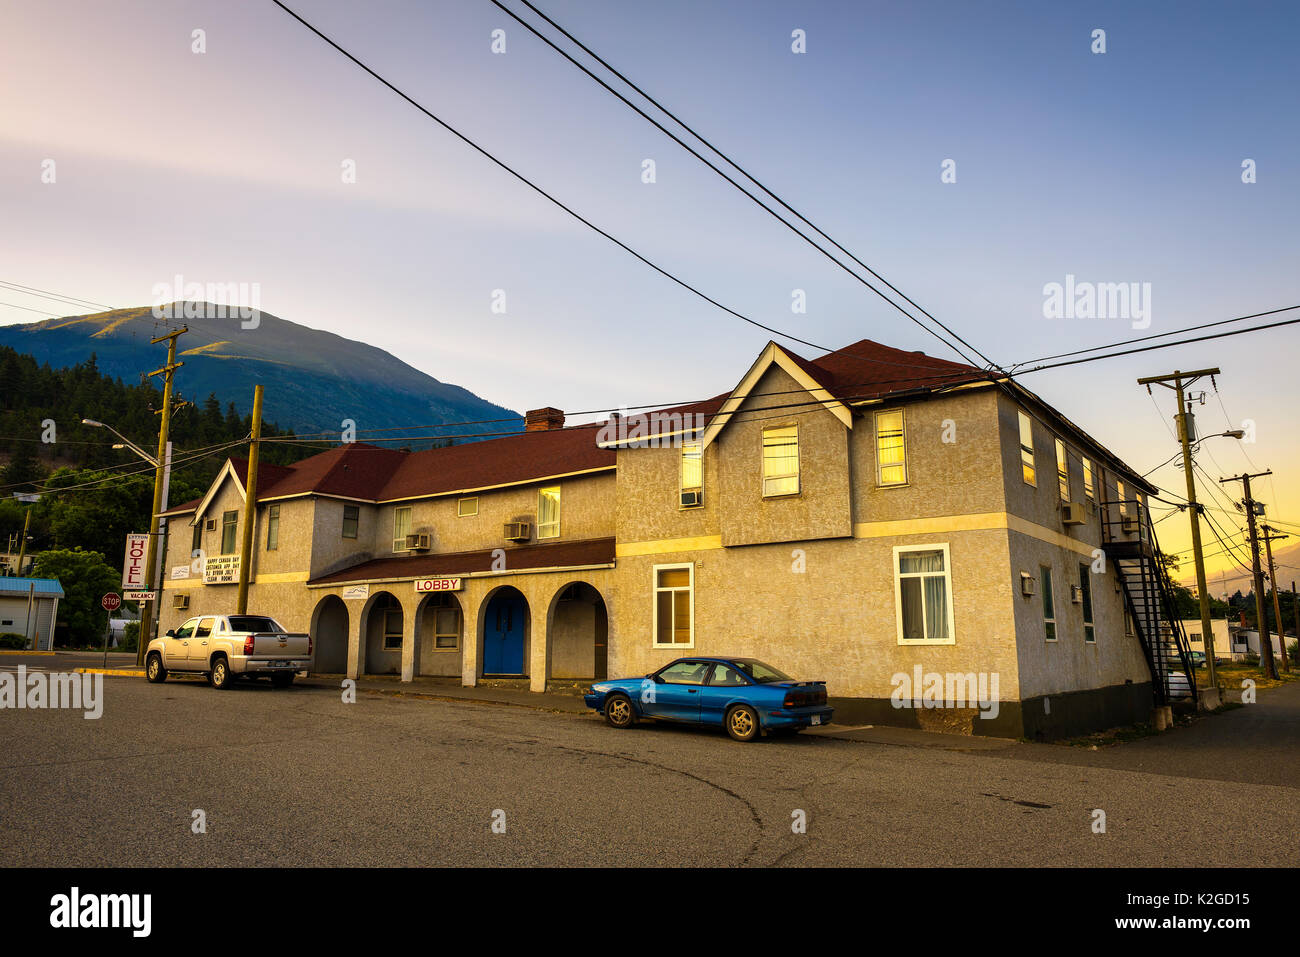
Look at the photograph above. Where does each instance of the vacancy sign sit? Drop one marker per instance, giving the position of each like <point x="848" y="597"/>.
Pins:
<point x="437" y="584"/>
<point x="133" y="565"/>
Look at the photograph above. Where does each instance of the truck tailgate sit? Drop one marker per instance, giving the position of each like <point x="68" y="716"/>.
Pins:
<point x="281" y="645"/>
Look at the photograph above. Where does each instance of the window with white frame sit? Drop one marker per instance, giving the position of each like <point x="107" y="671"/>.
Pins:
<point x="891" y="459"/>
<point x="692" y="474"/>
<point x="1062" y="471"/>
<point x="351" y="520"/>
<point x="781" y="460"/>
<point x="923" y="594"/>
<point x="272" y="528"/>
<point x="674" y="601"/>
<point x="401" y="527"/>
<point x="548" y="512"/>
<point x="1027" y="450"/>
<point x="229" y="526"/>
<point x="444" y="610"/>
<point x="1049" y="603"/>
<point x="392" y="629"/>
<point x="1085" y="586"/>
<point x="467" y="507"/>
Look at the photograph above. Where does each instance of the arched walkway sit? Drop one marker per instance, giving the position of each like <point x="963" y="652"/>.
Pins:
<point x="504" y="632"/>
<point x="578" y="633"/>
<point x="439" y="635"/>
<point x="329" y="635"/>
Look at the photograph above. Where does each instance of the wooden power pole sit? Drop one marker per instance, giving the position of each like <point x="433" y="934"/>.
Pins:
<point x="1270" y="533"/>
<point x="1181" y="380"/>
<point x="1265" y="640"/>
<point x="250" y="504"/>
<point x="168" y="372"/>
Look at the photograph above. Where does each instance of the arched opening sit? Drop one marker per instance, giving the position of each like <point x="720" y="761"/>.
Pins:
<point x="329" y="636"/>
<point x="504" y="634"/>
<point x="383" y="629"/>
<point x="578" y="633"/>
<point x="439" y="635"/>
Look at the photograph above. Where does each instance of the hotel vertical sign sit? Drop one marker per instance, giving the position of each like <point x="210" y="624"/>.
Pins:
<point x="137" y="548"/>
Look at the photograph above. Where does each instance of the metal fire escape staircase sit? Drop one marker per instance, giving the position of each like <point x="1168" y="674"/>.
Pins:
<point x="1129" y="542"/>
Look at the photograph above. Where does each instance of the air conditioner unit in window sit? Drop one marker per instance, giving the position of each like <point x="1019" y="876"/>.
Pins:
<point x="1130" y="524"/>
<point x="181" y="602"/>
<point x="1072" y="513"/>
<point x="210" y="525"/>
<point x="417" y="543"/>
<point x="1028" y="584"/>
<point x="1076" y="594"/>
<point x="692" y="499"/>
<point x="516" y="531"/>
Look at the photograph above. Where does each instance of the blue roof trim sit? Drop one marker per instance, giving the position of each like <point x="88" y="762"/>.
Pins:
<point x="45" y="587"/>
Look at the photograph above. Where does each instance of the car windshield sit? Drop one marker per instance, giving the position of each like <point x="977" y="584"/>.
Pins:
<point x="760" y="672"/>
<point x="253" y="623"/>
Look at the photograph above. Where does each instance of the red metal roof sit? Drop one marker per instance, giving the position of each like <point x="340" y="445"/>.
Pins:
<point x="596" y="551"/>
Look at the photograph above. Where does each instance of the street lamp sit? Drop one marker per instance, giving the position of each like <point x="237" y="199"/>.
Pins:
<point x="163" y="474"/>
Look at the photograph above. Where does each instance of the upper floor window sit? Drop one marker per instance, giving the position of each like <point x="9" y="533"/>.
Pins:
<point x="923" y="594"/>
<point x="673" y="613"/>
<point x="1119" y="494"/>
<point x="781" y="460"/>
<point x="229" y="525"/>
<point x="692" y="475"/>
<point x="1089" y="488"/>
<point x="548" y="512"/>
<point x="196" y="540"/>
<point x="891" y="465"/>
<point x="272" y="528"/>
<point x="467" y="507"/>
<point x="401" y="527"/>
<point x="1085" y="590"/>
<point x="351" y="520"/>
<point x="1049" y="603"/>
<point x="1062" y="471"/>
<point x="1027" y="450"/>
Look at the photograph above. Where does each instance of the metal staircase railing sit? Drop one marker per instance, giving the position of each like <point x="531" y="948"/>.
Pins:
<point x="1128" y="538"/>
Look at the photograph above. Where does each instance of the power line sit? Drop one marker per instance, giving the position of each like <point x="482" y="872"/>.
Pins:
<point x="47" y="294"/>
<point x="659" y="126"/>
<point x="1159" y="335"/>
<point x="568" y="209"/>
<point x="39" y="312"/>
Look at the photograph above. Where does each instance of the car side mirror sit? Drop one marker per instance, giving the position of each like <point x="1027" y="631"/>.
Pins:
<point x="171" y="633"/>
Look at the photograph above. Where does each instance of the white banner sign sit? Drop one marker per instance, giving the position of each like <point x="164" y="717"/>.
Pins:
<point x="356" y="591"/>
<point x="137" y="548"/>
<point x="139" y="596"/>
<point x="221" y="570"/>
<point x="437" y="584"/>
<point x="180" y="571"/>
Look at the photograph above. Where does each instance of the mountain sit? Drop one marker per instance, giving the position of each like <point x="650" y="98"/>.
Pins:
<point x="313" y="380"/>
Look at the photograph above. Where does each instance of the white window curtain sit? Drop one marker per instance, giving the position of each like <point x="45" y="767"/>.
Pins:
<point x="923" y="589"/>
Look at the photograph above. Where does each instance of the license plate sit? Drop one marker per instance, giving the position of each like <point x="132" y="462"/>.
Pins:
<point x="816" y="719"/>
<point x="280" y="664"/>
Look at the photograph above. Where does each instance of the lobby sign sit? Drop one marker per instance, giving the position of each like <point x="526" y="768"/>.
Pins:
<point x="437" y="584"/>
<point x="221" y="570"/>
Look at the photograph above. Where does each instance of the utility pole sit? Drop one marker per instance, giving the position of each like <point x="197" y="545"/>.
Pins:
<point x="1277" y="603"/>
<point x="250" y="504"/>
<point x="168" y="372"/>
<point x="1265" y="642"/>
<point x="1180" y="381"/>
<point x="1295" y="607"/>
<point x="22" y="546"/>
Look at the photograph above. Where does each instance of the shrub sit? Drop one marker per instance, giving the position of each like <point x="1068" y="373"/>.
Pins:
<point x="11" y="639"/>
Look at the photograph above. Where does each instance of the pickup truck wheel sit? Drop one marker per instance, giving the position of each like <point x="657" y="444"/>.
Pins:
<point x="221" y="676"/>
<point x="282" y="679"/>
<point x="154" y="670"/>
<point x="742" y="723"/>
<point x="618" y="711"/>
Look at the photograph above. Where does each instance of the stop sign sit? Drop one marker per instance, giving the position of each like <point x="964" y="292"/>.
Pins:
<point x="112" y="601"/>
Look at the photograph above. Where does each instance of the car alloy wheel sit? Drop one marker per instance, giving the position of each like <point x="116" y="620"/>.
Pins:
<point x="220" y="674"/>
<point x="742" y="723"/>
<point x="618" y="711"/>
<point x="154" y="669"/>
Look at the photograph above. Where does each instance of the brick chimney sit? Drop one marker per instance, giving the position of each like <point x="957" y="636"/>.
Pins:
<point x="543" y="420"/>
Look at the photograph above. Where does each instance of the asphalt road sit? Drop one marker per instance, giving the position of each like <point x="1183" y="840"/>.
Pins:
<point x="297" y="776"/>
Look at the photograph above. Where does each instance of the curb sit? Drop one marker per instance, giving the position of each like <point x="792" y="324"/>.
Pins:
<point x="118" y="672"/>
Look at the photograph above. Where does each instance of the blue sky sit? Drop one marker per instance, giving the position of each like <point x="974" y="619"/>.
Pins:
<point x="1115" y="167"/>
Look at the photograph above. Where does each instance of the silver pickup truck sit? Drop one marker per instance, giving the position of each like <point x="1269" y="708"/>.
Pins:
<point x="224" y="647"/>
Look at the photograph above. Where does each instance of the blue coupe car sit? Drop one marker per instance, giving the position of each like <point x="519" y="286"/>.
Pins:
<point x="743" y="695"/>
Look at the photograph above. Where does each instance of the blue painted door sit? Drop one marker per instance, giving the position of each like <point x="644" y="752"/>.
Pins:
<point x="503" y="635"/>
